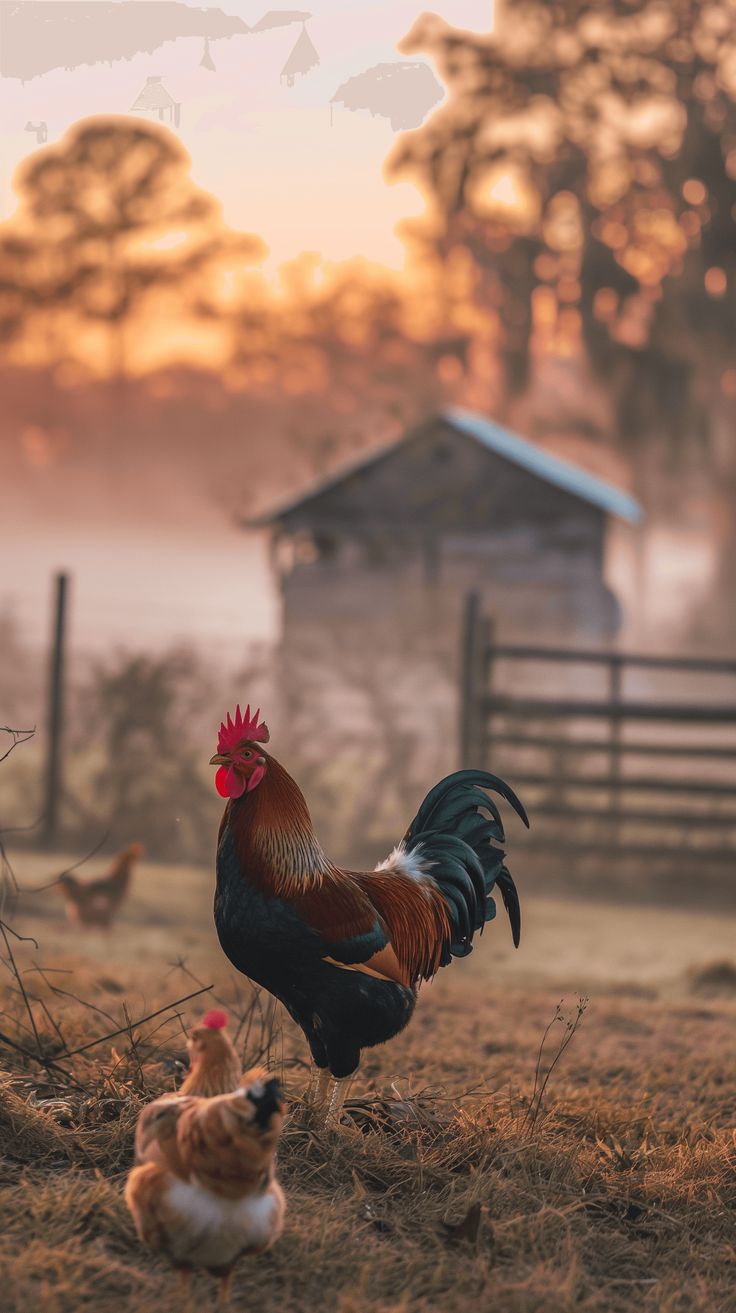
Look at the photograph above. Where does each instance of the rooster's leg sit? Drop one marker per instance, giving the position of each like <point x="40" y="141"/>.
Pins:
<point x="225" y="1284"/>
<point x="323" y="1085"/>
<point x="336" y="1100"/>
<point x="315" y="1099"/>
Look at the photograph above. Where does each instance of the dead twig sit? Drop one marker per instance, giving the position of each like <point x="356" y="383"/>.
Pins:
<point x="52" y="1021"/>
<point x="69" y="993"/>
<point x="133" y="1048"/>
<point x="538" y="1092"/>
<point x="13" y="967"/>
<point x="41" y="888"/>
<point x="124" y="1030"/>
<point x="50" y="1064"/>
<point x="269" y="1030"/>
<point x="8" y="880"/>
<point x="18" y="736"/>
<point x="22" y="939"/>
<point x="242" y="1016"/>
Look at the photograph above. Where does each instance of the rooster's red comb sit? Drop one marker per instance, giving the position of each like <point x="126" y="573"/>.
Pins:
<point x="243" y="727"/>
<point x="215" y="1020"/>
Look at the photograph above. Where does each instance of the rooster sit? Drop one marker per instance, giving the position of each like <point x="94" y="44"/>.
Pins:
<point x="203" y="1191"/>
<point x="345" y="951"/>
<point x="95" y="902"/>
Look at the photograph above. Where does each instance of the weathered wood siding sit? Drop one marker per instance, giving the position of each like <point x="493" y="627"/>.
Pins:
<point x="394" y="547"/>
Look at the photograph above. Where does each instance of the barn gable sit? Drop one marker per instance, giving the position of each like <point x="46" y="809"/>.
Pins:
<point x="434" y="475"/>
<point x="393" y="543"/>
<point x="546" y="466"/>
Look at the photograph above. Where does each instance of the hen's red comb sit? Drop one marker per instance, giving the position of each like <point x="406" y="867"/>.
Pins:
<point x="243" y="727"/>
<point x="215" y="1020"/>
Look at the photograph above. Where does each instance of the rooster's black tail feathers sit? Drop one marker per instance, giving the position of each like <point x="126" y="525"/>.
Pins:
<point x="456" y="844"/>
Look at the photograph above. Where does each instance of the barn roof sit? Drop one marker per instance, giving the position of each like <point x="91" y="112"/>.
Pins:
<point x="502" y="442"/>
<point x="562" y="473"/>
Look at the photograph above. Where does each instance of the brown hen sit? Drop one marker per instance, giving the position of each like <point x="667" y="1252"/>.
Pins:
<point x="204" y="1191"/>
<point x="96" y="902"/>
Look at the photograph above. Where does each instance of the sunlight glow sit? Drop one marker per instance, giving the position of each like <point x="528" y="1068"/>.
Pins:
<point x="504" y="191"/>
<point x="169" y="241"/>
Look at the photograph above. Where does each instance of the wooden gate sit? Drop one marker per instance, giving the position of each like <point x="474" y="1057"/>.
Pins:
<point x="611" y="752"/>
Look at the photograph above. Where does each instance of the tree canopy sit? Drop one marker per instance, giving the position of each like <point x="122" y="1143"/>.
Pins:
<point x="586" y="158"/>
<point x="107" y="217"/>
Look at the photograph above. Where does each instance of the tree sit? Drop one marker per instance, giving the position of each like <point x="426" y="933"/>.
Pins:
<point x="349" y="355"/>
<point x="586" y="158"/>
<point x="108" y="219"/>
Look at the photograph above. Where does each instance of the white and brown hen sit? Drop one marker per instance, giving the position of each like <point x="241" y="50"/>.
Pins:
<point x="204" y="1190"/>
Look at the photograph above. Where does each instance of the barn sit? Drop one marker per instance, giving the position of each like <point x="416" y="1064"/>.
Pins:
<point x="391" y="545"/>
<point x="374" y="564"/>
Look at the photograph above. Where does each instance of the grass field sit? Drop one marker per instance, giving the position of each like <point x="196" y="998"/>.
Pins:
<point x="450" y="1185"/>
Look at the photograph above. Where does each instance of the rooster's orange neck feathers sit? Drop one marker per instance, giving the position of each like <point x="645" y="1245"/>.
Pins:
<point x="274" y="836"/>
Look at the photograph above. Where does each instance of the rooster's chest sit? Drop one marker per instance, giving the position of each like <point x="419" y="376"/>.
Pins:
<point x="262" y="936"/>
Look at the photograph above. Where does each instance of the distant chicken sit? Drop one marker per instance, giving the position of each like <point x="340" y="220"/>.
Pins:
<point x="214" y="1067"/>
<point x="96" y="902"/>
<point x="204" y="1192"/>
<point x="345" y="951"/>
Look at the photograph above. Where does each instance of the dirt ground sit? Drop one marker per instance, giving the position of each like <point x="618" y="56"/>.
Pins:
<point x="451" y="1184"/>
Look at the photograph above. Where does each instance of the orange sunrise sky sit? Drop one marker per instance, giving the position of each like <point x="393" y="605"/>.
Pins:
<point x="283" y="165"/>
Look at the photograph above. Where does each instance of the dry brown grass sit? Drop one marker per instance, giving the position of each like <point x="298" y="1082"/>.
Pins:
<point x="442" y="1194"/>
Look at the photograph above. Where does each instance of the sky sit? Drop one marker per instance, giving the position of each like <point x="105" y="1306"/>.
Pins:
<point x="284" y="165"/>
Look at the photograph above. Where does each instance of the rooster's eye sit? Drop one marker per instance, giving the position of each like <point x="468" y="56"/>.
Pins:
<point x="247" y="755"/>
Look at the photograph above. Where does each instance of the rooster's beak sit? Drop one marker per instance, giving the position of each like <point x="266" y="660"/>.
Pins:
<point x="219" y="760"/>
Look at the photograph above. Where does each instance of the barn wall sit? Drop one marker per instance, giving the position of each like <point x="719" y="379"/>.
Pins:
<point x="398" y="544"/>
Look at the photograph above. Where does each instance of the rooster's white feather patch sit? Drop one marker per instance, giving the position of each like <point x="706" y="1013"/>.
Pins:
<point x="400" y="862"/>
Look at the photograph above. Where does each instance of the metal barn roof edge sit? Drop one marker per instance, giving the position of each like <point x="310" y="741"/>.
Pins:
<point x="495" y="438"/>
<point x="552" y="469"/>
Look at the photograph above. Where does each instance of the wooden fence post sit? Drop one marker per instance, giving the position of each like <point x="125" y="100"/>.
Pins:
<point x="55" y="720"/>
<point x="486" y="674"/>
<point x="615" y="689"/>
<point x="471" y="679"/>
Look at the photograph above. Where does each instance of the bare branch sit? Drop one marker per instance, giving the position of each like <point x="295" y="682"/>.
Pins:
<point x="124" y="1030"/>
<point x="571" y="1026"/>
<point x="18" y="736"/>
<point x="13" y="966"/>
<point x="22" y="939"/>
<point x="41" y="888"/>
<point x="68" y="993"/>
<point x="49" y="1063"/>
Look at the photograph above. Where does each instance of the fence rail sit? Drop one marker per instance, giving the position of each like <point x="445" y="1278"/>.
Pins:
<point x="545" y="744"/>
